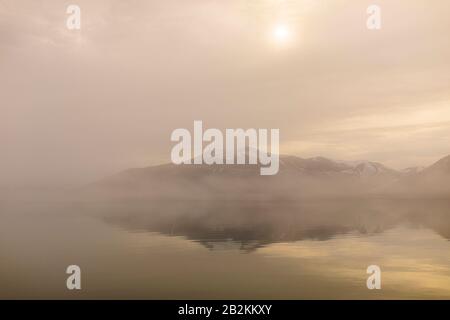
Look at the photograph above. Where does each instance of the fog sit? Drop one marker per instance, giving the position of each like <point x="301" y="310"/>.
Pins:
<point x="77" y="106"/>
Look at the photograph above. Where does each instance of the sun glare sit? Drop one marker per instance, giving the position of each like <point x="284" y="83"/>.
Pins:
<point x="281" y="33"/>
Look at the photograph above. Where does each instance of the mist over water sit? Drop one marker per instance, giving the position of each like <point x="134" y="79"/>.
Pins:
<point x="229" y="249"/>
<point x="359" y="116"/>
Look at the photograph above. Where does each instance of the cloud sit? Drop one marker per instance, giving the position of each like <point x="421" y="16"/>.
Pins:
<point x="83" y="104"/>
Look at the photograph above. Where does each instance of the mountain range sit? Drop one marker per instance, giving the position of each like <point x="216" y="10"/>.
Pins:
<point x="297" y="178"/>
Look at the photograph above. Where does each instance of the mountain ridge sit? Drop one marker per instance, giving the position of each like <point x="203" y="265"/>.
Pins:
<point x="297" y="178"/>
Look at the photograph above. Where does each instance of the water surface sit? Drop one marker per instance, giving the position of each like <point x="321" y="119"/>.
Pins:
<point x="228" y="250"/>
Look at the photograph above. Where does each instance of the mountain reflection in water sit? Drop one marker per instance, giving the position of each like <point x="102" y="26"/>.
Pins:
<point x="252" y="225"/>
<point x="225" y="250"/>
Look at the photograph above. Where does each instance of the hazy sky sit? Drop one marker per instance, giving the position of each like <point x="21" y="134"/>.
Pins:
<point x="77" y="105"/>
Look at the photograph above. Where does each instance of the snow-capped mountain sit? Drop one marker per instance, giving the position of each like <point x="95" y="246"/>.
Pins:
<point x="412" y="170"/>
<point x="297" y="178"/>
<point x="369" y="169"/>
<point x="432" y="181"/>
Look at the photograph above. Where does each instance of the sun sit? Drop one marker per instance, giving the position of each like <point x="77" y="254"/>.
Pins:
<point x="281" y="33"/>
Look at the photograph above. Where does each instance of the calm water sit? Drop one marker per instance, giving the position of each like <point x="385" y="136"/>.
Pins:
<point x="317" y="249"/>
